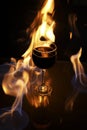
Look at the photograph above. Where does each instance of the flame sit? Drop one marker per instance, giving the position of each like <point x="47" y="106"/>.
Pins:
<point x="23" y="76"/>
<point x="79" y="82"/>
<point x="78" y="68"/>
<point x="42" y="27"/>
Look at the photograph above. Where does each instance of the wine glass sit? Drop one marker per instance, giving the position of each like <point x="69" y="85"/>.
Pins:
<point x="44" y="57"/>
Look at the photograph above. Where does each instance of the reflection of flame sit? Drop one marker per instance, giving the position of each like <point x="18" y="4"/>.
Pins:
<point x="72" y="19"/>
<point x="23" y="75"/>
<point x="70" y="35"/>
<point x="70" y="101"/>
<point x="79" y="81"/>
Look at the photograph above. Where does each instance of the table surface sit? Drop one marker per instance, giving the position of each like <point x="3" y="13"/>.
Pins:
<point x="61" y="75"/>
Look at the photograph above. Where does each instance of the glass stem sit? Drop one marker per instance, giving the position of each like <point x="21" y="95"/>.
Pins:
<point x="43" y="73"/>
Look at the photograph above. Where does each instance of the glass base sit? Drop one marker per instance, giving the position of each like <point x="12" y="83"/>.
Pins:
<point x="13" y="121"/>
<point x="44" y="90"/>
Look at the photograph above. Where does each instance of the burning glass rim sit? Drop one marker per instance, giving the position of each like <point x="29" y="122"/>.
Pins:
<point x="54" y="49"/>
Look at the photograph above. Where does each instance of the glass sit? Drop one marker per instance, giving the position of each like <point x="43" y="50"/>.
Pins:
<point x="44" y="57"/>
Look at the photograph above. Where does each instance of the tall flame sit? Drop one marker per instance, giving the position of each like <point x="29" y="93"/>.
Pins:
<point x="23" y="75"/>
<point x="79" y="82"/>
<point x="78" y="68"/>
<point x="42" y="27"/>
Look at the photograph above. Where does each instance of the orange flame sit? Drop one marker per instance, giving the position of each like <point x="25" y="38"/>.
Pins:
<point x="78" y="68"/>
<point x="42" y="26"/>
<point x="80" y="80"/>
<point x="23" y="76"/>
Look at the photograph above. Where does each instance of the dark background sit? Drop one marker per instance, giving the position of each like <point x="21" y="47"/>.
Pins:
<point x="21" y="13"/>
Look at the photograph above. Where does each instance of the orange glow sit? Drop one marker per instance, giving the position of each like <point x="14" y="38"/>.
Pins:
<point x="70" y="35"/>
<point x="72" y="19"/>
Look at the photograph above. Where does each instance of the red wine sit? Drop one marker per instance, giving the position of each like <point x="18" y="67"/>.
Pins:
<point x="44" y="57"/>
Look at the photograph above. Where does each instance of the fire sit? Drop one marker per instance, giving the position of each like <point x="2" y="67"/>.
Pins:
<point x="79" y="81"/>
<point x="23" y="76"/>
<point x="78" y="68"/>
<point x="42" y="27"/>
